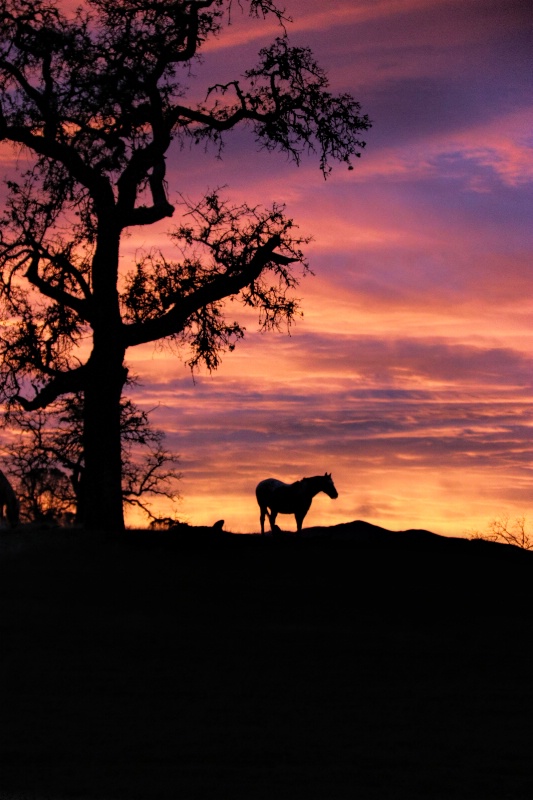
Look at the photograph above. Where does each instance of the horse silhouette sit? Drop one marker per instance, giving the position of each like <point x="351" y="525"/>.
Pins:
<point x="9" y="504"/>
<point x="275" y="497"/>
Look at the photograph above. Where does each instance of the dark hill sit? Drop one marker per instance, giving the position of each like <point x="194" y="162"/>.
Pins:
<point x="359" y="534"/>
<point x="56" y="543"/>
<point x="347" y="662"/>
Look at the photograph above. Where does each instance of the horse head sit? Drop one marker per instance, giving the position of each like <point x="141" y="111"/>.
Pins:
<point x="329" y="486"/>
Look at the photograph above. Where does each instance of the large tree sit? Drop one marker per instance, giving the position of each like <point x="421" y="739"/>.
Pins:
<point x="92" y="100"/>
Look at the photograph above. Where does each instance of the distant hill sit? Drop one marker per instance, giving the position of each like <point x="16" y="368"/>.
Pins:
<point x="357" y="533"/>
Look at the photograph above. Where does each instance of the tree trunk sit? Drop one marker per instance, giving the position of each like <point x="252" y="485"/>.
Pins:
<point x="101" y="491"/>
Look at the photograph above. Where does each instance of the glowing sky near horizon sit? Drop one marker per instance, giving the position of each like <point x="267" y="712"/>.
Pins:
<point x="410" y="375"/>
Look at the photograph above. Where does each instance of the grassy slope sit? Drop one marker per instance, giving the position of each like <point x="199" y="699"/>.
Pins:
<point x="166" y="667"/>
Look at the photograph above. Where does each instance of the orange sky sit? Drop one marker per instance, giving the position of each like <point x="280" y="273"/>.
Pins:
<point x="410" y="375"/>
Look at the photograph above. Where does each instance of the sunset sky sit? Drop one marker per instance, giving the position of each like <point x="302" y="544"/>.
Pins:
<point x="410" y="375"/>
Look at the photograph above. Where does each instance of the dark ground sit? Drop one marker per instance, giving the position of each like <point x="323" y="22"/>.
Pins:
<point x="349" y="663"/>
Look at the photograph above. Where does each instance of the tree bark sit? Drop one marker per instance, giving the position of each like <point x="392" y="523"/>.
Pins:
<point x="101" y="490"/>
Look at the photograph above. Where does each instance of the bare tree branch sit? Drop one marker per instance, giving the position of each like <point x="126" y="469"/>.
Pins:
<point x="62" y="383"/>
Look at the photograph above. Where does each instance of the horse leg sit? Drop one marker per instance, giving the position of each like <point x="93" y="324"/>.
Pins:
<point x="272" y="518"/>
<point x="262" y="519"/>
<point x="299" y="520"/>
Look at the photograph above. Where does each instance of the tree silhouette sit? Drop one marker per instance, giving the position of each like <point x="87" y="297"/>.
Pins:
<point x="509" y="531"/>
<point x="47" y="461"/>
<point x="92" y="101"/>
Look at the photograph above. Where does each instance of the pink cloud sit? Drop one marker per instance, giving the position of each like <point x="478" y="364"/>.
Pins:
<point x="397" y="422"/>
<point x="409" y="375"/>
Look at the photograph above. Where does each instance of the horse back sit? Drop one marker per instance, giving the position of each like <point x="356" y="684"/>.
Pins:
<point x="285" y="498"/>
<point x="265" y="490"/>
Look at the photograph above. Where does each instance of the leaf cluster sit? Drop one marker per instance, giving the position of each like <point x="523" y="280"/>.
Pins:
<point x="296" y="113"/>
<point x="227" y="251"/>
<point x="95" y="97"/>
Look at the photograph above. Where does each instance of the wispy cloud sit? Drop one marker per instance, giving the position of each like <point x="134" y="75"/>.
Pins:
<point x="410" y="375"/>
<point x="379" y="414"/>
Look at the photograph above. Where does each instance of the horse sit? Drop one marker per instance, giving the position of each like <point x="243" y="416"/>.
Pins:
<point x="291" y="498"/>
<point x="9" y="504"/>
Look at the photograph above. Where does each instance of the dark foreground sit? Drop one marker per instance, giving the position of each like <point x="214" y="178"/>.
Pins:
<point x="349" y="663"/>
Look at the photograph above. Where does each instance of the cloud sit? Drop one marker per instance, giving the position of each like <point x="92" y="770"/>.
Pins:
<point x="379" y="444"/>
<point x="397" y="21"/>
<point x="409" y="376"/>
<point x="401" y="423"/>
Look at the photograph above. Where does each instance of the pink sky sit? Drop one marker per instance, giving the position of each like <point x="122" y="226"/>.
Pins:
<point x="410" y="375"/>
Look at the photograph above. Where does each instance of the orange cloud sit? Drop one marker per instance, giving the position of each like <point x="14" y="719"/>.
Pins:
<point x="409" y="376"/>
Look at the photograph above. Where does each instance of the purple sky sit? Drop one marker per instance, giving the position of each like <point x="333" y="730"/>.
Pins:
<point x="410" y="375"/>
